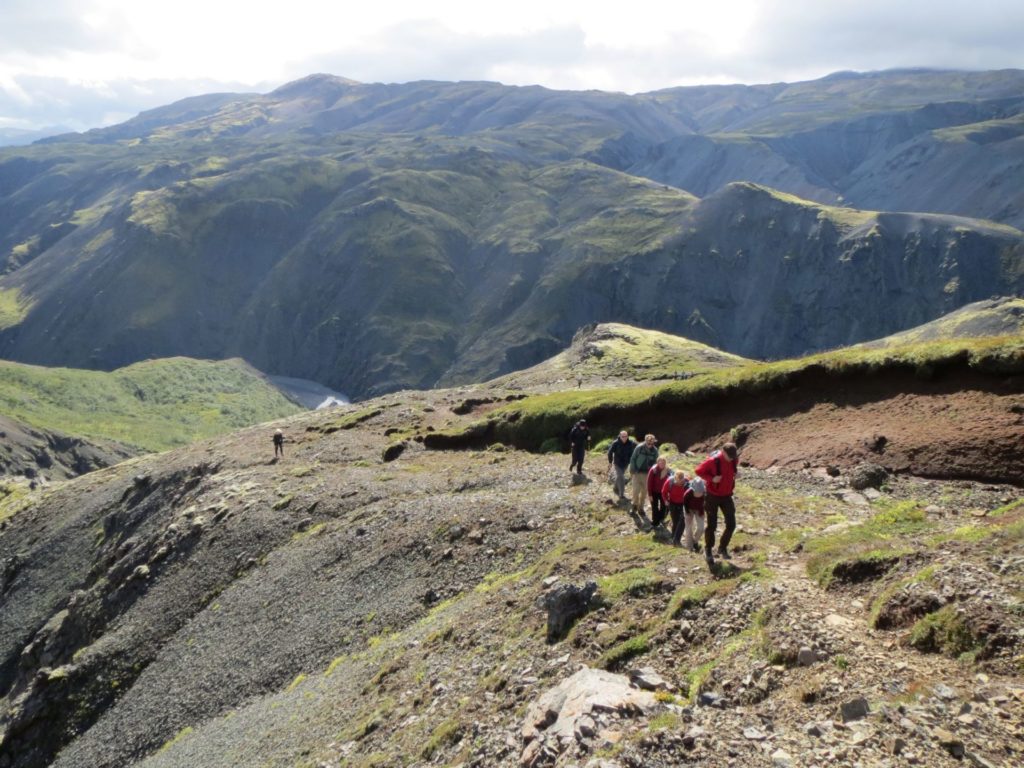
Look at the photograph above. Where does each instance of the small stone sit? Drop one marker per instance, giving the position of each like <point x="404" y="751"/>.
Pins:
<point x="943" y="691"/>
<point x="978" y="760"/>
<point x="709" y="699"/>
<point x="894" y="745"/>
<point x="691" y="736"/>
<point x="648" y="679"/>
<point x="549" y="581"/>
<point x="806" y="657"/>
<point x="141" y="572"/>
<point x="476" y="536"/>
<point x="812" y="729"/>
<point x="782" y="759"/>
<point x="949" y="742"/>
<point x="855" y="709"/>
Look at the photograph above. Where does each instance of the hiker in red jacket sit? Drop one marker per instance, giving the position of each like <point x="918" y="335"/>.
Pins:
<point x="656" y="477"/>
<point x="718" y="471"/>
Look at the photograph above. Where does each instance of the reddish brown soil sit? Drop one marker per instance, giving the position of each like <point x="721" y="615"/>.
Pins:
<point x="969" y="434"/>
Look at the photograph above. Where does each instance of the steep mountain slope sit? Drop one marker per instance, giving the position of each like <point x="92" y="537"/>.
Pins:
<point x="374" y="237"/>
<point x="149" y="406"/>
<point x="992" y="317"/>
<point x="358" y="604"/>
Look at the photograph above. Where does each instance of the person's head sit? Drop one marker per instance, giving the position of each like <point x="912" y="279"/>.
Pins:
<point x="623" y="435"/>
<point x="729" y="449"/>
<point x="278" y="432"/>
<point x="649" y="439"/>
<point x="680" y="476"/>
<point x="697" y="486"/>
<point x="661" y="464"/>
<point x="583" y="422"/>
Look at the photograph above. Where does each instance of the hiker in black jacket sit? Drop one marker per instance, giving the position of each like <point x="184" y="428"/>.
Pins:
<point x="619" y="454"/>
<point x="579" y="438"/>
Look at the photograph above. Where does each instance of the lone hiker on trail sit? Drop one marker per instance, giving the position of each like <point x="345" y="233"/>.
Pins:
<point x="278" y="443"/>
<point x="644" y="457"/>
<point x="579" y="438"/>
<point x="718" y="471"/>
<point x="657" y="476"/>
<point x="619" y="454"/>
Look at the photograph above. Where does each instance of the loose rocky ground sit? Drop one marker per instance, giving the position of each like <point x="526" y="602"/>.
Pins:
<point x="28" y="454"/>
<point x="365" y="601"/>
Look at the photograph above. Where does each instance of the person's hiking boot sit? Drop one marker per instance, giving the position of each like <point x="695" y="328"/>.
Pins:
<point x="723" y="552"/>
<point x="696" y="547"/>
<point x="709" y="558"/>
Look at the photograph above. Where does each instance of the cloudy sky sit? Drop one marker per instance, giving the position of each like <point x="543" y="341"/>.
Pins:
<point x="84" y="63"/>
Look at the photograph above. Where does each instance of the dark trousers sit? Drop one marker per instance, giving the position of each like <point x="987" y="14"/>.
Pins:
<point x="658" y="510"/>
<point x="678" y="520"/>
<point x="711" y="506"/>
<point x="578" y="452"/>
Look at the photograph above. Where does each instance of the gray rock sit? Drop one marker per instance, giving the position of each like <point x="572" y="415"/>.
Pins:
<point x="943" y="691"/>
<point x="782" y="759"/>
<point x="564" y="605"/>
<point x="806" y="657"/>
<point x="949" y="742"/>
<point x="648" y="679"/>
<point x="867" y="475"/>
<point x="691" y="736"/>
<point x="855" y="709"/>
<point x="894" y="745"/>
<point x="710" y="699"/>
<point x="573" y="710"/>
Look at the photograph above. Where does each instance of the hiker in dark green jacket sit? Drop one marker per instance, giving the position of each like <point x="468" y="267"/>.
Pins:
<point x="644" y="457"/>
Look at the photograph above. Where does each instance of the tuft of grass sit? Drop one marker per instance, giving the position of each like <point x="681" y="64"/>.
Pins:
<point x="618" y="655"/>
<point x="868" y="549"/>
<point x="946" y="632"/>
<point x="183" y="733"/>
<point x="447" y="733"/>
<point x="636" y="582"/>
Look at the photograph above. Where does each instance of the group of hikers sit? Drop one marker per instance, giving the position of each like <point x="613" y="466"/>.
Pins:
<point x="692" y="503"/>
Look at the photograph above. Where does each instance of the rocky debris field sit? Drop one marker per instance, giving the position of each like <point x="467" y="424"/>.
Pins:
<point x="367" y="602"/>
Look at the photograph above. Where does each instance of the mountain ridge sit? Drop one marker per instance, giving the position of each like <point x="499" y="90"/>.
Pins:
<point x="375" y="237"/>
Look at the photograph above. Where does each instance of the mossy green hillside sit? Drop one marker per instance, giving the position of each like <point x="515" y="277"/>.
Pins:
<point x="153" y="405"/>
<point x="529" y="422"/>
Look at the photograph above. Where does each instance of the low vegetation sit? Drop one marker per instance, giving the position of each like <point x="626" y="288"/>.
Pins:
<point x="529" y="422"/>
<point x="154" y="405"/>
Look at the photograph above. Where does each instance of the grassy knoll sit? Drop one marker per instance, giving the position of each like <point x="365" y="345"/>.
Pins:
<point x="153" y="405"/>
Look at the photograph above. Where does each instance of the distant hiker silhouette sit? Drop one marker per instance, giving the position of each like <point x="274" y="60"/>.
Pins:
<point x="278" y="443"/>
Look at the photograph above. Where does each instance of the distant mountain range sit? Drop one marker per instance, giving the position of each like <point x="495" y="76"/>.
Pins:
<point x="375" y="237"/>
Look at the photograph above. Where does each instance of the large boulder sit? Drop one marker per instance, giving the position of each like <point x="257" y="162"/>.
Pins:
<point x="578" y="711"/>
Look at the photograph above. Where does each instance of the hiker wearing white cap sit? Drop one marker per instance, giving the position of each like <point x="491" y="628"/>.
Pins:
<point x="278" y="443"/>
<point x="693" y="514"/>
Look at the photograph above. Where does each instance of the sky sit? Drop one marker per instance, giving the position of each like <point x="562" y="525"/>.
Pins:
<point x="85" y="63"/>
